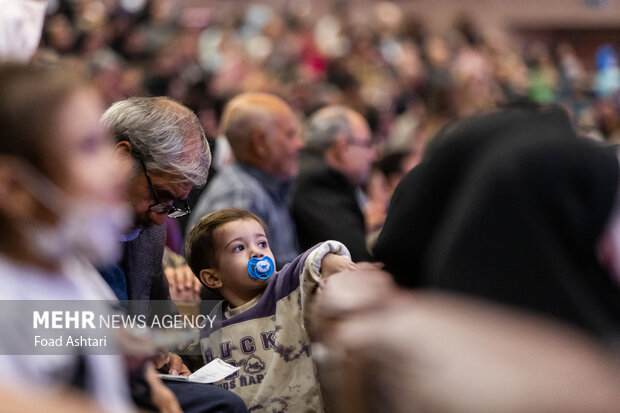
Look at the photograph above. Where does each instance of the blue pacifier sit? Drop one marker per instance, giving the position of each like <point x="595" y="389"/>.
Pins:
<point x="262" y="268"/>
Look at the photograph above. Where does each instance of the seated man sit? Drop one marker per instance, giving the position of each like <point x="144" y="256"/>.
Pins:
<point x="328" y="202"/>
<point x="166" y="145"/>
<point x="263" y="132"/>
<point x="262" y="329"/>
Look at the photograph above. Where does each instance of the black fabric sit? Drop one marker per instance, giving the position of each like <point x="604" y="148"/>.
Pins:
<point x="205" y="398"/>
<point x="524" y="232"/>
<point x="509" y="207"/>
<point x="140" y="389"/>
<point x="80" y="374"/>
<point x="325" y="207"/>
<point x="146" y="281"/>
<point x="421" y="200"/>
<point x="192" y="397"/>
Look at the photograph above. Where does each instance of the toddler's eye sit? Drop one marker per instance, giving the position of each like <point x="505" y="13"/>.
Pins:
<point x="238" y="248"/>
<point x="263" y="244"/>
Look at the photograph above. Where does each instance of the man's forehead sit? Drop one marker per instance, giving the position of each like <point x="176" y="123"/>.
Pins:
<point x="286" y="119"/>
<point x="360" y="127"/>
<point x="174" y="183"/>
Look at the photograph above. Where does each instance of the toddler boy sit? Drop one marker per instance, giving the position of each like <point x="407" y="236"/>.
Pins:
<point x="261" y="322"/>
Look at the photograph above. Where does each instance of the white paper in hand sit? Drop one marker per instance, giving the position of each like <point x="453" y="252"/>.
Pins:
<point x="209" y="373"/>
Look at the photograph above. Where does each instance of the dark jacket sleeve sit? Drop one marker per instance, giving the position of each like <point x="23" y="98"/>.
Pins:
<point x="325" y="208"/>
<point x="146" y="280"/>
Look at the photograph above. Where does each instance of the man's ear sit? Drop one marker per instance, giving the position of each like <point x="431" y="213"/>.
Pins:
<point x="211" y="279"/>
<point x="258" y="143"/>
<point x="336" y="153"/>
<point x="123" y="148"/>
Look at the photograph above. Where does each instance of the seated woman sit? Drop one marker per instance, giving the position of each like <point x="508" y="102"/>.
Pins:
<point x="515" y="208"/>
<point x="63" y="205"/>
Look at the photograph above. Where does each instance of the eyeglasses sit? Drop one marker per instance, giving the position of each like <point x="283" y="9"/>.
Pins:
<point x="159" y="207"/>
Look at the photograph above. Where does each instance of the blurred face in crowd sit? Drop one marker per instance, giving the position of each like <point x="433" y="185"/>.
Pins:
<point x="283" y="143"/>
<point x="89" y="170"/>
<point x="92" y="212"/>
<point x="66" y="183"/>
<point x="359" y="153"/>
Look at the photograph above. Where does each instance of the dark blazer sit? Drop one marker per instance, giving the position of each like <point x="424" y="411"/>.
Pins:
<point x="325" y="207"/>
<point x="142" y="263"/>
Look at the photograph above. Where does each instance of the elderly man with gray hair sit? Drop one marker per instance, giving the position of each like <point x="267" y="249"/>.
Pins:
<point x="328" y="201"/>
<point x="167" y="147"/>
<point x="263" y="132"/>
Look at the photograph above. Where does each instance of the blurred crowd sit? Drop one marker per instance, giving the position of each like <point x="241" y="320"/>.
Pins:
<point x="499" y="235"/>
<point x="405" y="79"/>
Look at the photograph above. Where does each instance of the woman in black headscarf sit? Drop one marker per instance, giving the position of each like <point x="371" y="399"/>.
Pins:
<point x="421" y="201"/>
<point x="510" y="207"/>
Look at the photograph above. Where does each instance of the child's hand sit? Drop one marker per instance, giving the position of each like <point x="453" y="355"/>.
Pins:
<point x="332" y="264"/>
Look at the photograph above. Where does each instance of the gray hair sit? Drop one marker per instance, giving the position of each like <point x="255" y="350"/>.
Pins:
<point x="163" y="133"/>
<point x="325" y="126"/>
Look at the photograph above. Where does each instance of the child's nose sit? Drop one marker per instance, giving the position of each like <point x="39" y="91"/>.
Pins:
<point x="256" y="253"/>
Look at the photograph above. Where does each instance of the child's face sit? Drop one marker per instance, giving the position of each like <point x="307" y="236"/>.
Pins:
<point x="237" y="242"/>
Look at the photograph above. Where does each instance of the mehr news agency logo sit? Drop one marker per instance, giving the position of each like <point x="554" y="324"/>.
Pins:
<point x="86" y="320"/>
